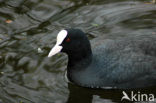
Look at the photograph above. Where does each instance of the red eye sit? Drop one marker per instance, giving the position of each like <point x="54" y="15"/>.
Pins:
<point x="68" y="40"/>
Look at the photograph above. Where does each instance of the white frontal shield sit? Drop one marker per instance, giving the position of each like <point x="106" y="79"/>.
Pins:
<point x="57" y="48"/>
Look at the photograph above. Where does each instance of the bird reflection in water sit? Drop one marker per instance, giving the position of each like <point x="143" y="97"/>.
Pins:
<point x="86" y="95"/>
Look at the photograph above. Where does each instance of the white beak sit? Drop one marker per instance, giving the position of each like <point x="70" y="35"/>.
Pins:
<point x="56" y="49"/>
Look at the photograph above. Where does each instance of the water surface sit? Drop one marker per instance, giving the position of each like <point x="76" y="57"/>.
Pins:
<point x="28" y="76"/>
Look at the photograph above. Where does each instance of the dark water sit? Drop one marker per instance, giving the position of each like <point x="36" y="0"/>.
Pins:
<point x="28" y="76"/>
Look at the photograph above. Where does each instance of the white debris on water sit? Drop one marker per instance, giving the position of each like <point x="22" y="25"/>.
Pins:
<point x="1" y="72"/>
<point x="40" y="50"/>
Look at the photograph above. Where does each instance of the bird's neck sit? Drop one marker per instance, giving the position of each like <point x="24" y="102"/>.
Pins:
<point x="77" y="63"/>
<point x="80" y="60"/>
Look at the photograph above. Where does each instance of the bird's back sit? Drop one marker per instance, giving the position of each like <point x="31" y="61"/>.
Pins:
<point x="122" y="63"/>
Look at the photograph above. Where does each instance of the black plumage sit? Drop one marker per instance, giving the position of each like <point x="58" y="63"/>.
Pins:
<point x="128" y="62"/>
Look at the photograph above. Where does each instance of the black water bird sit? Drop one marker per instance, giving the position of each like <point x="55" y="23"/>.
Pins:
<point x="128" y="62"/>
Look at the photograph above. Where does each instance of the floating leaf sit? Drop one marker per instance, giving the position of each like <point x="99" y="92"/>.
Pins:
<point x="8" y="21"/>
<point x="93" y="24"/>
<point x="152" y="2"/>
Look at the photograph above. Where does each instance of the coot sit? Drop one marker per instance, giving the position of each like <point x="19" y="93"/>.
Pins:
<point x="128" y="62"/>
